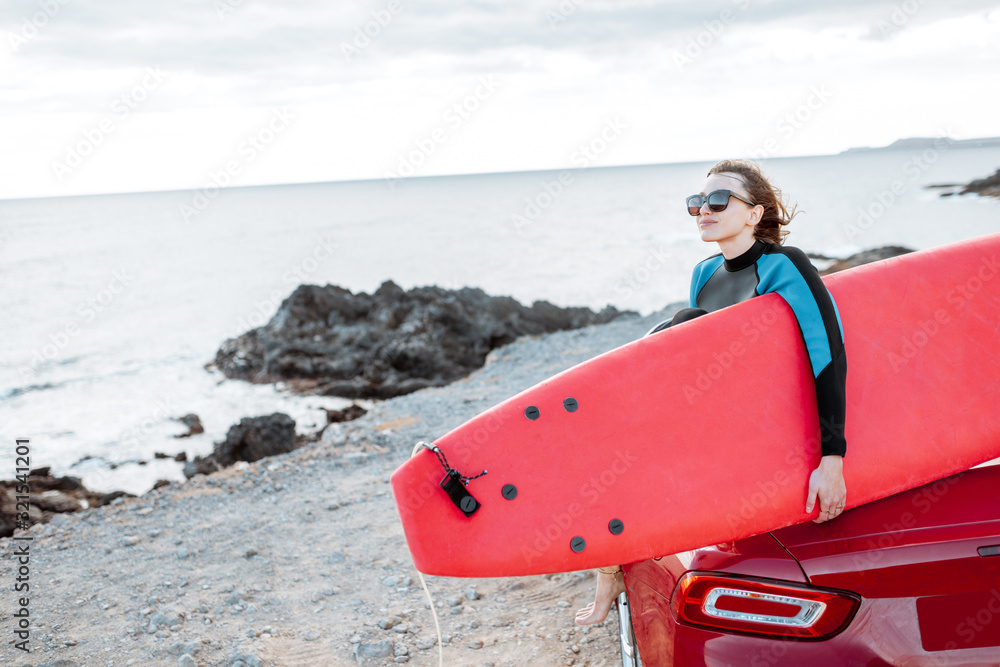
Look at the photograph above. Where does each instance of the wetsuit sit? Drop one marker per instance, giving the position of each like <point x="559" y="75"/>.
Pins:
<point x="768" y="267"/>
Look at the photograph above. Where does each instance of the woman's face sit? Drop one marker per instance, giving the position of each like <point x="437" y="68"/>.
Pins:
<point x="736" y="223"/>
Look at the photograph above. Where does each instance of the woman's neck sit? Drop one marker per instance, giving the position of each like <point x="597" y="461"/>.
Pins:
<point x="734" y="247"/>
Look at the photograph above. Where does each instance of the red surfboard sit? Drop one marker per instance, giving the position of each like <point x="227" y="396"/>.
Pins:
<point x="707" y="432"/>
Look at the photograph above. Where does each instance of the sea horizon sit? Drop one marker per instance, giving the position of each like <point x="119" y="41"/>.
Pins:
<point x="903" y="144"/>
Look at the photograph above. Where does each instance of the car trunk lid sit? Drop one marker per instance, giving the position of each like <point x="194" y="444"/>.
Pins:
<point x="939" y="544"/>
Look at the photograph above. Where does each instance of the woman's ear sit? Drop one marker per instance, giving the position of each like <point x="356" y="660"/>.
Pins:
<point x="756" y="213"/>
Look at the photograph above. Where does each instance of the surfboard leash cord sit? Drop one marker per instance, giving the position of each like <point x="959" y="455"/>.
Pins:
<point x="443" y="460"/>
<point x="423" y="582"/>
<point x="437" y="626"/>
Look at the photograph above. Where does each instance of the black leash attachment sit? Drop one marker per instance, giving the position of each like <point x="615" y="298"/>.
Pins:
<point x="454" y="483"/>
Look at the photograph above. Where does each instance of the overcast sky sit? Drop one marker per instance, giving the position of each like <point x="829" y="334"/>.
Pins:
<point x="117" y="96"/>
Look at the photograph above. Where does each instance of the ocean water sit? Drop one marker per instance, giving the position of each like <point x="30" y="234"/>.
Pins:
<point x="113" y="304"/>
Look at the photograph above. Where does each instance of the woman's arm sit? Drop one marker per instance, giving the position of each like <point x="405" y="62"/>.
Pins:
<point x="788" y="272"/>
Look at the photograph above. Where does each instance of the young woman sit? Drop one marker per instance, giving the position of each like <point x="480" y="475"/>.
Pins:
<point x="742" y="212"/>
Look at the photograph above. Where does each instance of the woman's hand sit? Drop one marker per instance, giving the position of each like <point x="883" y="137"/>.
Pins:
<point x="827" y="483"/>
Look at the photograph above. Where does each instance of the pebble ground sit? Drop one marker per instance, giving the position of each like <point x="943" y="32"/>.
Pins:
<point x="300" y="559"/>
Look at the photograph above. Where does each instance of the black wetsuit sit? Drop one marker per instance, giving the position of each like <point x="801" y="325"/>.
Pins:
<point x="768" y="267"/>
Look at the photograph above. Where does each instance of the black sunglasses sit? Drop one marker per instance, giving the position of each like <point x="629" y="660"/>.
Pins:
<point x="717" y="200"/>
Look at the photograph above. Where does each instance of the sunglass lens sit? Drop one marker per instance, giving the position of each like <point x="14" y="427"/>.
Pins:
<point x="718" y="200"/>
<point x="694" y="204"/>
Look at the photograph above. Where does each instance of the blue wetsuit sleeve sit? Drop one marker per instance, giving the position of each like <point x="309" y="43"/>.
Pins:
<point x="788" y="272"/>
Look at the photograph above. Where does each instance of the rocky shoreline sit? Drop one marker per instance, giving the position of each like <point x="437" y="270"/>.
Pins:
<point x="297" y="557"/>
<point x="984" y="187"/>
<point x="329" y="341"/>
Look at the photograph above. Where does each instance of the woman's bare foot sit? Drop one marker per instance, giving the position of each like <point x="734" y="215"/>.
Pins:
<point x="609" y="587"/>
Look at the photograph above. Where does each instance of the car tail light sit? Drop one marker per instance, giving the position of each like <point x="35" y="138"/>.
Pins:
<point x="761" y="606"/>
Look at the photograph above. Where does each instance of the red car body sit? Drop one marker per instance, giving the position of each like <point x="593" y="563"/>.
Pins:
<point x="913" y="579"/>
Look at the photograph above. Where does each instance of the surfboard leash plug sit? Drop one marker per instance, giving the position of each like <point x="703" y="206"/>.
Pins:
<point x="454" y="483"/>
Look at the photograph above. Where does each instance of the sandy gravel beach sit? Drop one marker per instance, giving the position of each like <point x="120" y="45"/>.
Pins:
<point x="299" y="559"/>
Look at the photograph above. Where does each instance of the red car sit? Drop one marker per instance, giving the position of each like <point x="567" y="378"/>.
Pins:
<point x="913" y="579"/>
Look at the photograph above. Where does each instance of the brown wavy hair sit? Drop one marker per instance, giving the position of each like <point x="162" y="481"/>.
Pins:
<point x="762" y="192"/>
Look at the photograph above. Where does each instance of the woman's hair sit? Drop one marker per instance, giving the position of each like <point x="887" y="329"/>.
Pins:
<point x="763" y="193"/>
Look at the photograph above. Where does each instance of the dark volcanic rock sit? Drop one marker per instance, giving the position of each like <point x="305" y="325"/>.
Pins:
<point x="252" y="439"/>
<point x="388" y="343"/>
<point x="350" y="413"/>
<point x="985" y="187"/>
<point x="201" y="465"/>
<point x="863" y="257"/>
<point x="193" y="423"/>
<point x="47" y="495"/>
